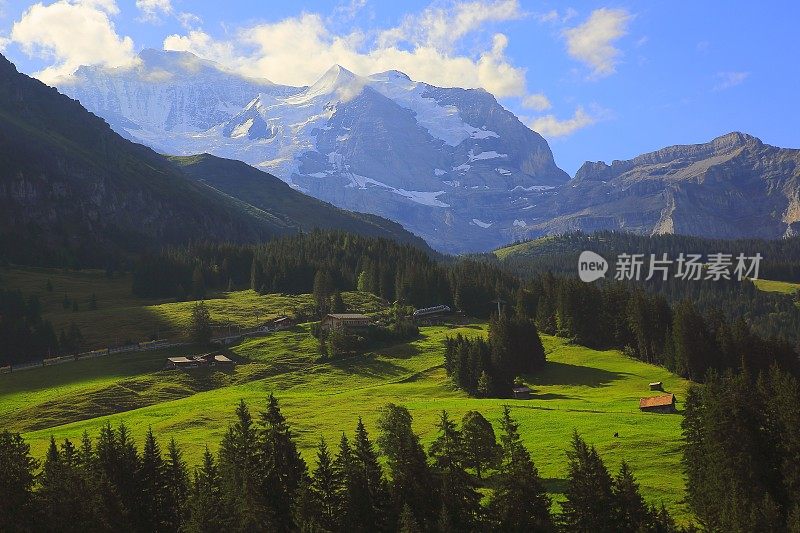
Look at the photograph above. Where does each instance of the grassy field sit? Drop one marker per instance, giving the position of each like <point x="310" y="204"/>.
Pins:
<point x="783" y="287"/>
<point x="595" y="392"/>
<point x="136" y="319"/>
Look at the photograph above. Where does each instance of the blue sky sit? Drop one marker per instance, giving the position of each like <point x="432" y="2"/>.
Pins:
<point x="600" y="80"/>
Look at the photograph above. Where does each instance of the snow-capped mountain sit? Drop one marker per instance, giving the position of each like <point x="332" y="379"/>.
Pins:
<point x="450" y="164"/>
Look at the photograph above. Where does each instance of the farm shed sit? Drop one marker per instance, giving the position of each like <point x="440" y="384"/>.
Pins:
<point x="180" y="362"/>
<point x="522" y="393"/>
<point x="282" y="323"/>
<point x="664" y="403"/>
<point x="657" y="385"/>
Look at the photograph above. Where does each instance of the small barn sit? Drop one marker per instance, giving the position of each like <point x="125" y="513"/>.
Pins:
<point x="175" y="363"/>
<point x="221" y="360"/>
<point x="198" y="361"/>
<point x="657" y="385"/>
<point x="282" y="323"/>
<point x="664" y="403"/>
<point x="522" y="393"/>
<point x="345" y="321"/>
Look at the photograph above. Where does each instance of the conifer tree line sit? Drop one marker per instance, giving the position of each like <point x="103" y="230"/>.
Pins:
<point x="488" y="368"/>
<point x="645" y="325"/>
<point x="769" y="314"/>
<point x="742" y="453"/>
<point x="257" y="481"/>
<point x="295" y="265"/>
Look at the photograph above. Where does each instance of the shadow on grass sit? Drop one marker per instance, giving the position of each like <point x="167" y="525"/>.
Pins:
<point x="555" y="485"/>
<point x="565" y="374"/>
<point x="369" y="366"/>
<point x="551" y="396"/>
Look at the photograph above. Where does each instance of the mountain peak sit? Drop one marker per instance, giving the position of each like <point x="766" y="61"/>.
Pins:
<point x="390" y="75"/>
<point x="734" y="139"/>
<point x="335" y="75"/>
<point x="336" y="80"/>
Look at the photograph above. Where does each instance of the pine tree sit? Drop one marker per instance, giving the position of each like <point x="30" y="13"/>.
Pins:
<point x="460" y="500"/>
<point x="412" y="481"/>
<point x="337" y="303"/>
<point x="326" y="489"/>
<point x="207" y="507"/>
<point x="151" y="512"/>
<point x="629" y="506"/>
<point x="176" y="478"/>
<point x="198" y="284"/>
<point x="366" y="459"/>
<point x="200" y="324"/>
<point x="407" y="522"/>
<point x="282" y="469"/>
<point x="68" y="498"/>
<point x="239" y="471"/>
<point x="485" y="387"/>
<point x="590" y="500"/>
<point x="519" y="502"/>
<point x="481" y="450"/>
<point x="323" y="289"/>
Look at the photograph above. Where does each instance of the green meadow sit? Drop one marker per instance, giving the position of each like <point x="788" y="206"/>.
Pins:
<point x="593" y="392"/>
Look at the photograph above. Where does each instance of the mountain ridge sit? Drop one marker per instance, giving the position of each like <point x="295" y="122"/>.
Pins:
<point x="732" y="186"/>
<point x="449" y="164"/>
<point x="77" y="193"/>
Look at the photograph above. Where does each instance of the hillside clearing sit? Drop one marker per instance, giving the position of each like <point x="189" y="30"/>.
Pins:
<point x="783" y="287"/>
<point x="121" y="318"/>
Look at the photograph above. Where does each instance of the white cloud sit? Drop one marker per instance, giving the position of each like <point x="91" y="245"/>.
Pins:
<point x="189" y="21"/>
<point x="442" y="28"/>
<point x="593" y="41"/>
<point x="297" y="50"/>
<point x="554" y="16"/>
<point x="537" y="102"/>
<point x="726" y="80"/>
<point x="151" y="9"/>
<point x="550" y="126"/>
<point x="51" y="32"/>
<point x="348" y="10"/>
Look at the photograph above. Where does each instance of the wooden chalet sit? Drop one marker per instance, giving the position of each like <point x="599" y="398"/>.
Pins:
<point x="664" y="403"/>
<point x="345" y="321"/>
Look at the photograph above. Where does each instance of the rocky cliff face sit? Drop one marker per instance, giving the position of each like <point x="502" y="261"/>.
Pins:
<point x="732" y="186"/>
<point x="452" y="165"/>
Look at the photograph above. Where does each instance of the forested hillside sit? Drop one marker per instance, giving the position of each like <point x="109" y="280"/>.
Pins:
<point x="769" y="314"/>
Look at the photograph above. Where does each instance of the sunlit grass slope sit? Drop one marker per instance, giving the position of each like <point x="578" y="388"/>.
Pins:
<point x="595" y="392"/>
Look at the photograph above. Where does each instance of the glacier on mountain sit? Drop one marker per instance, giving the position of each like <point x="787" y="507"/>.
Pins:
<point x="380" y="143"/>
